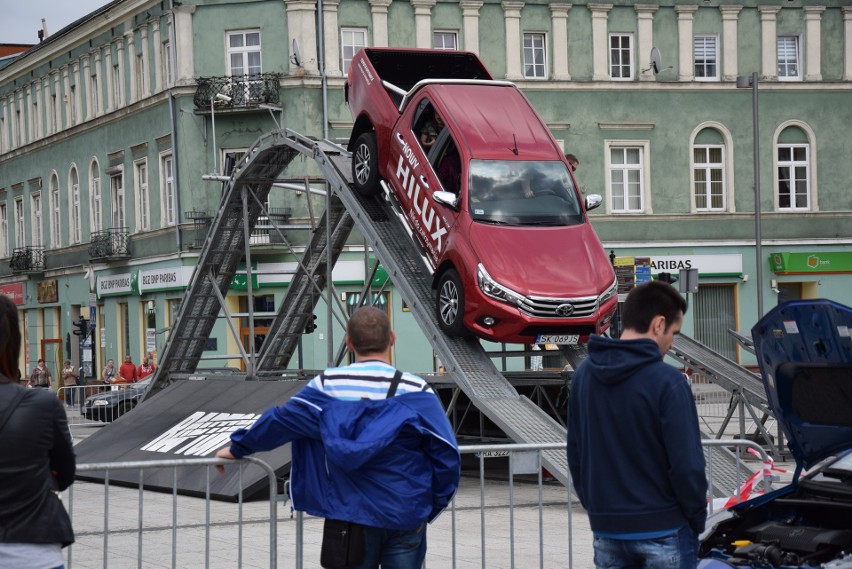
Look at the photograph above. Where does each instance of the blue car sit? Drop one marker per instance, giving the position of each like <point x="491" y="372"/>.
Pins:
<point x="804" y="349"/>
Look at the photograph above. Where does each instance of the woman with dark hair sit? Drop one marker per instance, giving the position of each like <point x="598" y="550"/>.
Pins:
<point x="37" y="462"/>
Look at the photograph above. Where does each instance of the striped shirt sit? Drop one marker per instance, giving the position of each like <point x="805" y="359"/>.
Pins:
<point x="366" y="380"/>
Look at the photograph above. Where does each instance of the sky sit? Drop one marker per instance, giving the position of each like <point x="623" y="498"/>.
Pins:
<point x="20" y="20"/>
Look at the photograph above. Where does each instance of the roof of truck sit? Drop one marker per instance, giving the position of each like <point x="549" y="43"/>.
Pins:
<point x="495" y="120"/>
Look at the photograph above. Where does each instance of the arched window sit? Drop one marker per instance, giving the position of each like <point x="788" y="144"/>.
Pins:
<point x="711" y="172"/>
<point x="74" y="204"/>
<point x="55" y="212"/>
<point x="795" y="167"/>
<point x="96" y="223"/>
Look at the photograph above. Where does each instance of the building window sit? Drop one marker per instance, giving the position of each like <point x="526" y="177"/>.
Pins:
<point x="76" y="220"/>
<point x="445" y="40"/>
<point x="794" y="176"/>
<point x="143" y="216"/>
<point x="705" y="56"/>
<point x="4" y="231"/>
<point x="167" y="63"/>
<point x="167" y="185"/>
<point x="55" y="213"/>
<point x="140" y="73"/>
<point x="244" y="53"/>
<point x="627" y="178"/>
<point x="230" y="158"/>
<point x="116" y="84"/>
<point x="95" y="187"/>
<point x="351" y="42"/>
<point x="709" y="176"/>
<point x="621" y="56"/>
<point x="535" y="62"/>
<point x="788" y="57"/>
<point x="116" y="193"/>
<point x="19" y="222"/>
<point x="96" y="95"/>
<point x="38" y="229"/>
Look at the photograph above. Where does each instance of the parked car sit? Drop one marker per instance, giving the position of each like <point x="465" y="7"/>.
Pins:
<point x="110" y="405"/>
<point x="805" y="354"/>
<point x="486" y="192"/>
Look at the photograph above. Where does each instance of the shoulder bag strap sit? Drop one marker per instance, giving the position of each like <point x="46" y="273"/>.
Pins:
<point x="394" y="384"/>
<point x="13" y="404"/>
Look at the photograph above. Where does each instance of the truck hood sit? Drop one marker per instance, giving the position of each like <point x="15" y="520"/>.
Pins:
<point x="805" y="353"/>
<point x="559" y="262"/>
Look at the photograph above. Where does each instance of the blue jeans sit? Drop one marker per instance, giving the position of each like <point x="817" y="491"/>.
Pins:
<point x="391" y="549"/>
<point x="676" y="551"/>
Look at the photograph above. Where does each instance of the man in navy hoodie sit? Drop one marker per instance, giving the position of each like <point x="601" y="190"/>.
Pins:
<point x="634" y="447"/>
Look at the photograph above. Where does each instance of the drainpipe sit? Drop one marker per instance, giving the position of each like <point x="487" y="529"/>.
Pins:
<point x="323" y="78"/>
<point x="173" y="124"/>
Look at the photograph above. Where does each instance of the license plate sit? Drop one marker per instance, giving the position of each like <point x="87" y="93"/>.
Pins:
<point x="569" y="339"/>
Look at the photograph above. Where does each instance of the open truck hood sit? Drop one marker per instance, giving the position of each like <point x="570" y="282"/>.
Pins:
<point x="804" y="349"/>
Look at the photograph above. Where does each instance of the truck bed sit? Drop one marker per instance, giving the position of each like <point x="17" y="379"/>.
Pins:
<point x="404" y="68"/>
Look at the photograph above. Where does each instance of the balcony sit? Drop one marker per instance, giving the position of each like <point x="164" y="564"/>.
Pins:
<point x="27" y="260"/>
<point x="245" y="91"/>
<point x="109" y="244"/>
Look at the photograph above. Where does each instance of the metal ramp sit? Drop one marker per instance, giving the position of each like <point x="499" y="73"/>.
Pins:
<point x="468" y="365"/>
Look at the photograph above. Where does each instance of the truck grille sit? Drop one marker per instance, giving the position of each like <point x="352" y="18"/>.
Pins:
<point x="540" y="307"/>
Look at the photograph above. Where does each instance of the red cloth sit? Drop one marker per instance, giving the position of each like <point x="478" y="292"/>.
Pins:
<point x="144" y="371"/>
<point x="128" y="372"/>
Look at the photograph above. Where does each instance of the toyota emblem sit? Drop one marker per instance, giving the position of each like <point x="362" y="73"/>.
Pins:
<point x="565" y="310"/>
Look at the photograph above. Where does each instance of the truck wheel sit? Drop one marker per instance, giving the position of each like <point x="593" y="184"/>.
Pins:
<point x="365" y="165"/>
<point x="449" y="305"/>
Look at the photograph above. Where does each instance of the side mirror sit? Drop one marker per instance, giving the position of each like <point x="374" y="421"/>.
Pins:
<point x="448" y="199"/>
<point x="593" y="201"/>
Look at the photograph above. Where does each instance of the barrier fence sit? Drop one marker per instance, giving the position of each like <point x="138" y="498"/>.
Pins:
<point x="507" y="513"/>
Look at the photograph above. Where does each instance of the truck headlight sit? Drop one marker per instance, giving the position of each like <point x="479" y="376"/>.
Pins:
<point x="608" y="293"/>
<point x="495" y="290"/>
<point x="100" y="403"/>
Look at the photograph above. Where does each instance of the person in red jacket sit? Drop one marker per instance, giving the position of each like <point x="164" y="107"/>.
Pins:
<point x="127" y="371"/>
<point x="146" y="368"/>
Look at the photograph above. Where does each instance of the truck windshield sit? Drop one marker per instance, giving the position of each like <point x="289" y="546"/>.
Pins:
<point x="522" y="193"/>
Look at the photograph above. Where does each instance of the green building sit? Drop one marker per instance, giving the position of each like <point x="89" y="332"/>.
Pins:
<point x="108" y="127"/>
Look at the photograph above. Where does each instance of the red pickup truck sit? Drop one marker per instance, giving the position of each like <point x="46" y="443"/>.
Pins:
<point x="487" y="192"/>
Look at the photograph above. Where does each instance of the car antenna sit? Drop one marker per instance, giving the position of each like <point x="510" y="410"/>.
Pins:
<point x="515" y="145"/>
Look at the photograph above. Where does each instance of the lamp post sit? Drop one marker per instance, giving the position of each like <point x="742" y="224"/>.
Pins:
<point x="744" y="82"/>
<point x="213" y="99"/>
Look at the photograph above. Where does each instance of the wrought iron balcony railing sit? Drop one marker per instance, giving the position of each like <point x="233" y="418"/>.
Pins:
<point x="27" y="260"/>
<point x="243" y="90"/>
<point x="109" y="244"/>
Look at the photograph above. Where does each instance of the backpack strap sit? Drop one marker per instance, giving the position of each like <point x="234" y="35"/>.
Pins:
<point x="394" y="384"/>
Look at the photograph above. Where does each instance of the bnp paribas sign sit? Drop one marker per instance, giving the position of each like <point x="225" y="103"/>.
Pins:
<point x="810" y="263"/>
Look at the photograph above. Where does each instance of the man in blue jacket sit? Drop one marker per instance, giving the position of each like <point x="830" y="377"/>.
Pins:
<point x="371" y="445"/>
<point x="634" y="448"/>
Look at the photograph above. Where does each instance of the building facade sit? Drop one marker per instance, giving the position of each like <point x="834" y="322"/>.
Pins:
<point x="108" y="127"/>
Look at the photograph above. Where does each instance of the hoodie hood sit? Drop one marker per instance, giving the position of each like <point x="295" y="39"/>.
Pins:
<point x="612" y="366"/>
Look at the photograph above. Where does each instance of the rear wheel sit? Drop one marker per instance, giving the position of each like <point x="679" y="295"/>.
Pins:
<point x="365" y="165"/>
<point x="449" y="305"/>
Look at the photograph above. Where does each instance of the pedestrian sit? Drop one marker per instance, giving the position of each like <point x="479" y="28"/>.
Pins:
<point x="109" y="373"/>
<point x="634" y="448"/>
<point x="69" y="380"/>
<point x="37" y="461"/>
<point x="127" y="371"/>
<point x="573" y="161"/>
<point x="372" y="451"/>
<point x="40" y="376"/>
<point x="145" y="368"/>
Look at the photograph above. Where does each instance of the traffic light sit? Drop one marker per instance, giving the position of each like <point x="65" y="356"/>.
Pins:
<point x="311" y="324"/>
<point x="667" y="278"/>
<point x="82" y="328"/>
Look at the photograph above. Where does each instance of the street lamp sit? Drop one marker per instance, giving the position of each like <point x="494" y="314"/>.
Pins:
<point x="213" y="99"/>
<point x="745" y="82"/>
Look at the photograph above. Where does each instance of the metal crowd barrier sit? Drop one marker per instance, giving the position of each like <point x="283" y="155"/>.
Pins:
<point x="511" y="514"/>
<point x="75" y="398"/>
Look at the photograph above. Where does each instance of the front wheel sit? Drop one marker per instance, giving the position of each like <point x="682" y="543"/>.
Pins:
<point x="365" y="165"/>
<point x="449" y="306"/>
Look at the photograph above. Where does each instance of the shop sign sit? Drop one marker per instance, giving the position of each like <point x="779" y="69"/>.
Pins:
<point x="46" y="291"/>
<point x="15" y="292"/>
<point x="810" y="263"/>
<point x="165" y="279"/>
<point x="707" y="265"/>
<point x="347" y="272"/>
<point x="114" y="285"/>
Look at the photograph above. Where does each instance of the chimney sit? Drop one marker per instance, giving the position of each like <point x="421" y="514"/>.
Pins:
<point x="42" y="33"/>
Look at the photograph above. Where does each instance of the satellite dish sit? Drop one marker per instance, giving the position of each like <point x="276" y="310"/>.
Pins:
<point x="296" y="58"/>
<point x="656" y="60"/>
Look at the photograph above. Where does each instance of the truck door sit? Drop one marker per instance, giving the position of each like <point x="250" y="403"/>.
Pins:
<point x="413" y="178"/>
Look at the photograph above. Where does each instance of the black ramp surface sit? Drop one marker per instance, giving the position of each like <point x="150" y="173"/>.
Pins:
<point x="191" y="419"/>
